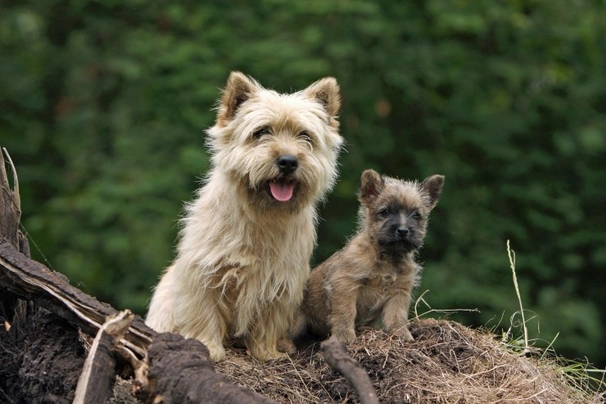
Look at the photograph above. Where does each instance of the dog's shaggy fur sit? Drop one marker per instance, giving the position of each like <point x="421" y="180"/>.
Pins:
<point x="244" y="251"/>
<point x="372" y="277"/>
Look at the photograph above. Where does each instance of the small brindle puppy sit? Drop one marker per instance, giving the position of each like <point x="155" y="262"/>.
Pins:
<point x="372" y="277"/>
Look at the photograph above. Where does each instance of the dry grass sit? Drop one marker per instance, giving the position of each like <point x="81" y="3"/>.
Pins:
<point x="447" y="363"/>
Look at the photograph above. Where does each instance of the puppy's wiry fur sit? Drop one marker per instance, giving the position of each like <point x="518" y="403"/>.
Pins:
<point x="244" y="250"/>
<point x="372" y="277"/>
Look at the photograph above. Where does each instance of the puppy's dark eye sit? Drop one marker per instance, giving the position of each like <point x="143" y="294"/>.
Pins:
<point x="261" y="132"/>
<point x="417" y="215"/>
<point x="383" y="212"/>
<point x="305" y="136"/>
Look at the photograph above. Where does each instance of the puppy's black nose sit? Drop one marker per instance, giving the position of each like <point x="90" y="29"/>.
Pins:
<point x="287" y="163"/>
<point x="402" y="231"/>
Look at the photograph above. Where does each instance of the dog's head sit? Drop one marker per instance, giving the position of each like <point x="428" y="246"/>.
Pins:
<point x="395" y="212"/>
<point x="280" y="149"/>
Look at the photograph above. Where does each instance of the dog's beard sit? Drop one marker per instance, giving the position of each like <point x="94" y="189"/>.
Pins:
<point x="400" y="244"/>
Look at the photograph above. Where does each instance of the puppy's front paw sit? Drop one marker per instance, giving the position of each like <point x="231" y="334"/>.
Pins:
<point x="287" y="346"/>
<point x="346" y="336"/>
<point x="403" y="334"/>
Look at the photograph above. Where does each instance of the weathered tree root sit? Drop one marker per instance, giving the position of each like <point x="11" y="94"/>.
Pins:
<point x="99" y="373"/>
<point x="336" y="356"/>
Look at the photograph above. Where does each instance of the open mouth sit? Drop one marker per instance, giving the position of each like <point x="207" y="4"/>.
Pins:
<point x="282" y="189"/>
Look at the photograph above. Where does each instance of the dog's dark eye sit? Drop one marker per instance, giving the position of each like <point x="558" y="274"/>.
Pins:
<point x="417" y="215"/>
<point x="260" y="132"/>
<point x="383" y="212"/>
<point x="305" y="136"/>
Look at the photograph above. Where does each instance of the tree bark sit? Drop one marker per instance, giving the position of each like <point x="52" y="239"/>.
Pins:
<point x="180" y="367"/>
<point x="10" y="218"/>
<point x="96" y="383"/>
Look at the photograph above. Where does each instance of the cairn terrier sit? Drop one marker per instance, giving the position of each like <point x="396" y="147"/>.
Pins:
<point x="244" y="250"/>
<point x="372" y="277"/>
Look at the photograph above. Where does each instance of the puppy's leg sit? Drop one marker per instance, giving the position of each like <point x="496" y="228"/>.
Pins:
<point x="343" y="313"/>
<point x="286" y="345"/>
<point x="298" y="329"/>
<point x="395" y="313"/>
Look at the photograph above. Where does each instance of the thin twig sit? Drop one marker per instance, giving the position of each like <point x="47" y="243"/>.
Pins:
<point x="441" y="311"/>
<point x="16" y="197"/>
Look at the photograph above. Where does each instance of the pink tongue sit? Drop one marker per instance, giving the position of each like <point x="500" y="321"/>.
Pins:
<point x="281" y="191"/>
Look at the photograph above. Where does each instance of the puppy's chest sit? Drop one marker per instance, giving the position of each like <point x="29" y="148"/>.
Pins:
<point x="385" y="281"/>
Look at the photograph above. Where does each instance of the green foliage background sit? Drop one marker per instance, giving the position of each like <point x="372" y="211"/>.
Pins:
<point x="103" y="106"/>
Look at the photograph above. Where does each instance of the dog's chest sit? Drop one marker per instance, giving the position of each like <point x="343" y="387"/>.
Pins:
<point x="274" y="256"/>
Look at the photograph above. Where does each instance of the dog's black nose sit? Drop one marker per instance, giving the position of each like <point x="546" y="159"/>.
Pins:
<point x="402" y="231"/>
<point x="287" y="163"/>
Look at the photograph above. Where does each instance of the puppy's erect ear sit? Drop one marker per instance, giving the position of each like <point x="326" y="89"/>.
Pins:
<point x="432" y="187"/>
<point x="327" y="92"/>
<point x="371" y="185"/>
<point x="238" y="89"/>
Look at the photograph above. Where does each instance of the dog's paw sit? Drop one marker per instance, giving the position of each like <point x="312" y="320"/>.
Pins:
<point x="217" y="352"/>
<point x="263" y="353"/>
<point x="287" y="346"/>
<point x="345" y="336"/>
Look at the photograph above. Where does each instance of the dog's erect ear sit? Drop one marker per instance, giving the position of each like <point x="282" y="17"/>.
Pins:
<point x="238" y="89"/>
<point x="371" y="185"/>
<point x="432" y="187"/>
<point x="327" y="92"/>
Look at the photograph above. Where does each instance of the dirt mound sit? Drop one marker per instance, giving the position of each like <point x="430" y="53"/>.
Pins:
<point x="447" y="363"/>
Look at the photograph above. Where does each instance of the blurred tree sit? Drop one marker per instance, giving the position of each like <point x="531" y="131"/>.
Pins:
<point x="104" y="104"/>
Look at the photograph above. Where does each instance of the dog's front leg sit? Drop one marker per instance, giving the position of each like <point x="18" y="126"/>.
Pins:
<point x="343" y="314"/>
<point x="204" y="317"/>
<point x="270" y="331"/>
